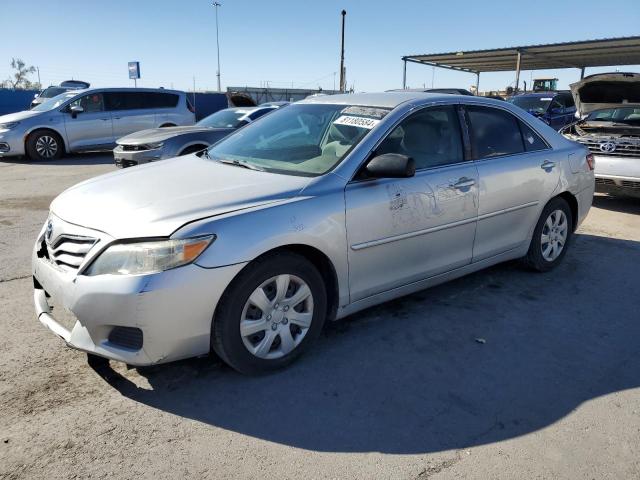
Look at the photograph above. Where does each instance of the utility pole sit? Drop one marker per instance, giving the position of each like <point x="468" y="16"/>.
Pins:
<point x="216" y="5"/>
<point x="342" y="79"/>
<point x="40" y="83"/>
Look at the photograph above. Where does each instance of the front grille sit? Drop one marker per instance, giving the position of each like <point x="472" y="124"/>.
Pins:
<point x="623" y="148"/>
<point x="630" y="184"/>
<point x="134" y="148"/>
<point x="127" y="337"/>
<point x="68" y="251"/>
<point x="604" y="181"/>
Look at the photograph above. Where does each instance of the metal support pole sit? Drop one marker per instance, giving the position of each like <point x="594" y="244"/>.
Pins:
<point x="216" y="5"/>
<point x="581" y="73"/>
<point x="478" y="83"/>
<point x="342" y="79"/>
<point x="518" y="71"/>
<point x="404" y="75"/>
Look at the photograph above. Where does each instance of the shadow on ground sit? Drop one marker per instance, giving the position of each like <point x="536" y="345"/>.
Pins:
<point x="85" y="158"/>
<point x="410" y="377"/>
<point x="617" y="204"/>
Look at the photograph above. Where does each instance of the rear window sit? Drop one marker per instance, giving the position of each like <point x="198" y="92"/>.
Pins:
<point x="140" y="101"/>
<point x="494" y="132"/>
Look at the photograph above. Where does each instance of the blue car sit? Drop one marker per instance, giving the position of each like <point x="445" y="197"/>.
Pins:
<point x="556" y="109"/>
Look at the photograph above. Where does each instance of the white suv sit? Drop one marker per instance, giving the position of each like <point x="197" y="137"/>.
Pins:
<point x="90" y="119"/>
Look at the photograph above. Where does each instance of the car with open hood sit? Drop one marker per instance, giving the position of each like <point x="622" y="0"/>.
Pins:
<point x="609" y="125"/>
<point x="156" y="144"/>
<point x="318" y="210"/>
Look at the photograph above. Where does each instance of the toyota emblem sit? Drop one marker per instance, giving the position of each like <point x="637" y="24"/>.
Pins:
<point x="608" y="147"/>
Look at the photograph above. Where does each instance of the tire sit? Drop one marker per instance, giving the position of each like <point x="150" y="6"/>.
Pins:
<point x="555" y="223"/>
<point x="275" y="339"/>
<point x="191" y="149"/>
<point x="44" y="145"/>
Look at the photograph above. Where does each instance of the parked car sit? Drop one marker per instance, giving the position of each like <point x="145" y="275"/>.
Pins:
<point x="55" y="90"/>
<point x="160" y="143"/>
<point x="320" y="209"/>
<point x="90" y="120"/>
<point x="556" y="109"/>
<point x="609" y="111"/>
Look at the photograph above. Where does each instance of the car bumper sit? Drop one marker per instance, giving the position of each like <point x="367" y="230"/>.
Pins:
<point x="127" y="158"/>
<point x="173" y="310"/>
<point x="617" y="185"/>
<point x="11" y="143"/>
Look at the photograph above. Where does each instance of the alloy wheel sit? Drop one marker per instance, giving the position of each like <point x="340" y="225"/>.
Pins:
<point x="46" y="146"/>
<point x="554" y="235"/>
<point x="276" y="316"/>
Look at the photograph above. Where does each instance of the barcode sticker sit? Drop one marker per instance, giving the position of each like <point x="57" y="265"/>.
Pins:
<point x="360" y="122"/>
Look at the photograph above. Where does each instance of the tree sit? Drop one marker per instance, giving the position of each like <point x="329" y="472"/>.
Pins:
<point x="20" y="79"/>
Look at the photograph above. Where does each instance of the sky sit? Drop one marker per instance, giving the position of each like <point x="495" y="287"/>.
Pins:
<point x="291" y="43"/>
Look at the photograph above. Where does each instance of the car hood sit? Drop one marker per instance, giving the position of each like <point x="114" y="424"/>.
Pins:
<point x="18" y="116"/>
<point x="156" y="199"/>
<point x="154" y="135"/>
<point x="607" y="90"/>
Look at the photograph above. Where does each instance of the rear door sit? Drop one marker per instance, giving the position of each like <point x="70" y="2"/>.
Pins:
<point x="401" y="230"/>
<point x="92" y="128"/>
<point x="517" y="176"/>
<point x="130" y="111"/>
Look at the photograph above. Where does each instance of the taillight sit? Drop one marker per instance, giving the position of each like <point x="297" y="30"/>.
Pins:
<point x="591" y="161"/>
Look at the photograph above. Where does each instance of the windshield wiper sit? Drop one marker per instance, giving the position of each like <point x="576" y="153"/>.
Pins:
<point x="238" y="163"/>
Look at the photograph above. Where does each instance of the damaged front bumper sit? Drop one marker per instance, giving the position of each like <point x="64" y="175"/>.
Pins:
<point x="136" y="319"/>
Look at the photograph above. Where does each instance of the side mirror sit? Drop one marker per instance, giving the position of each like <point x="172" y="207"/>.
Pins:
<point x="36" y="95"/>
<point x="75" y="110"/>
<point x="391" y="165"/>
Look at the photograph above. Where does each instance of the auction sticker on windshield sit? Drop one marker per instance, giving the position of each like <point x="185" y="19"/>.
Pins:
<point x="361" y="122"/>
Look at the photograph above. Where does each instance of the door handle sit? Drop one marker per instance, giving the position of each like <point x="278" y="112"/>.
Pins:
<point x="104" y="119"/>
<point x="547" y="165"/>
<point x="116" y="118"/>
<point x="463" y="182"/>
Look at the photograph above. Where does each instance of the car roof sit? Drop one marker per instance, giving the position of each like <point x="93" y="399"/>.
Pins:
<point x="383" y="99"/>
<point x="122" y="89"/>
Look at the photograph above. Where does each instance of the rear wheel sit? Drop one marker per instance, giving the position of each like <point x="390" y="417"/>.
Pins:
<point x="44" y="145"/>
<point x="551" y="236"/>
<point x="270" y="314"/>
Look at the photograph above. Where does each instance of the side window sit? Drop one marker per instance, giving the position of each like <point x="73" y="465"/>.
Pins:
<point x="114" y="100"/>
<point x="568" y="101"/>
<point x="532" y="141"/>
<point x="90" y="103"/>
<point x="494" y="132"/>
<point x="160" y="100"/>
<point x="432" y="137"/>
<point x="556" y="104"/>
<point x="259" y="113"/>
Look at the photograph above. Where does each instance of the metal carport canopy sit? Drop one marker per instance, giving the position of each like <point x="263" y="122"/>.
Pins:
<point x="588" y="53"/>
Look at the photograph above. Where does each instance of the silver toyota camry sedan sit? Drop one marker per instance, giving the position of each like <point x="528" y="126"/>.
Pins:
<point x="321" y="209"/>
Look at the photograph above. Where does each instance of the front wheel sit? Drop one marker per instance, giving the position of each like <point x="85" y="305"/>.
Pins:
<point x="270" y="313"/>
<point x="551" y="236"/>
<point x="44" y="145"/>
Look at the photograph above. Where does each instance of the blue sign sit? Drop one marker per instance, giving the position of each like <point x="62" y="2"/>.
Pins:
<point x="134" y="70"/>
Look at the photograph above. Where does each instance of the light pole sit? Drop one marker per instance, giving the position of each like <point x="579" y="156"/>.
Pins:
<point x="342" y="79"/>
<point x="218" y="4"/>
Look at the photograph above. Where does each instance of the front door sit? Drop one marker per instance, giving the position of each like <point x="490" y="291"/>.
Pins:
<point x="404" y="230"/>
<point x="90" y="128"/>
<point x="517" y="173"/>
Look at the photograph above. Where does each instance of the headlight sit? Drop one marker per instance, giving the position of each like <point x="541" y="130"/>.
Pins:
<point x="148" y="257"/>
<point x="8" y="126"/>
<point x="154" y="146"/>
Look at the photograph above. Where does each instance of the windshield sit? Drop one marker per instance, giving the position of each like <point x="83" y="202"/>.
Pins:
<point x="52" y="92"/>
<point x="532" y="104"/>
<point x="628" y="115"/>
<point x="302" y="139"/>
<point x="54" y="102"/>
<point x="228" y="118"/>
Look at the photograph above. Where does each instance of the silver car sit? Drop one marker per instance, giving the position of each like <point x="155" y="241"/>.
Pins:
<point x="161" y="143"/>
<point x="90" y="119"/>
<point x="320" y="209"/>
<point x="609" y="109"/>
